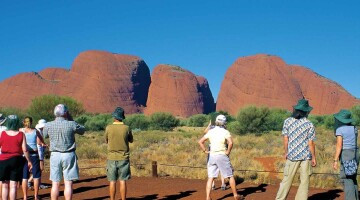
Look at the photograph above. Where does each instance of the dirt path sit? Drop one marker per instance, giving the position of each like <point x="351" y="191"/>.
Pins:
<point x="146" y="188"/>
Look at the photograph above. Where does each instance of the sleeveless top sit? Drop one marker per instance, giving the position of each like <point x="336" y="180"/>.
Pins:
<point x="31" y="144"/>
<point x="11" y="146"/>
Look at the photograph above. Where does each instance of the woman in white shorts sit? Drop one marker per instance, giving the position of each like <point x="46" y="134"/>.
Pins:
<point x="219" y="155"/>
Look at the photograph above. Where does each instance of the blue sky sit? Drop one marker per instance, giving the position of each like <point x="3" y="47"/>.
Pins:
<point x="205" y="37"/>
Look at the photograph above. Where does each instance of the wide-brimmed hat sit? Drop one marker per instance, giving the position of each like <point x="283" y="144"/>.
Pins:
<point x="118" y="113"/>
<point x="41" y="123"/>
<point x="2" y="118"/>
<point x="303" y="105"/>
<point x="344" y="116"/>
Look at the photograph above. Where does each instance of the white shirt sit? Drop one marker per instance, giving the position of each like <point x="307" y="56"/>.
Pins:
<point x="217" y="137"/>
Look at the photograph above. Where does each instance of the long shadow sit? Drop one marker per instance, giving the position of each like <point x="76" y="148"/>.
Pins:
<point x="248" y="190"/>
<point x="146" y="197"/>
<point x="89" y="179"/>
<point x="87" y="188"/>
<point x="98" y="198"/>
<point x="178" y="196"/>
<point x="331" y="194"/>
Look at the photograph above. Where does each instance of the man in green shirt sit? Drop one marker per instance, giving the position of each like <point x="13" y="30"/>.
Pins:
<point x="118" y="136"/>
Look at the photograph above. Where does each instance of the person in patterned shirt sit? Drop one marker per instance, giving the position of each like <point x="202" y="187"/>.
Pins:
<point x="63" y="159"/>
<point x="299" y="136"/>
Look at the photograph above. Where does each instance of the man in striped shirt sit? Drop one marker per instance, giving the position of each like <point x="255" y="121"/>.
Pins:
<point x="299" y="136"/>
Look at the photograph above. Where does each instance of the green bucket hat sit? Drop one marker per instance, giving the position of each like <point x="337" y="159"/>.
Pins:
<point x="118" y="113"/>
<point x="303" y="105"/>
<point x="344" y="116"/>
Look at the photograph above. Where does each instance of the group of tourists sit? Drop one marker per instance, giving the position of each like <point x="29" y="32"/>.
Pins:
<point x="298" y="137"/>
<point x="22" y="152"/>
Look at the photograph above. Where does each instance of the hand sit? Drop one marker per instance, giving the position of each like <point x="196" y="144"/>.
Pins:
<point x="313" y="162"/>
<point x="30" y="166"/>
<point x="227" y="153"/>
<point x="335" y="165"/>
<point x="41" y="165"/>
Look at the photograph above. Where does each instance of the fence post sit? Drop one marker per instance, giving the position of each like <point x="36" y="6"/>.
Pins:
<point x="154" y="169"/>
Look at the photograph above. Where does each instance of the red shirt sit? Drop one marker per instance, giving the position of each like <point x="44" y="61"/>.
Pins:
<point x="11" y="146"/>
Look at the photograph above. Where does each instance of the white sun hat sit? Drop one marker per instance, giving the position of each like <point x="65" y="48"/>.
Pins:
<point x="41" y="124"/>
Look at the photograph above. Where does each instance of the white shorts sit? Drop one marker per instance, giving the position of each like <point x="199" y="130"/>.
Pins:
<point x="220" y="163"/>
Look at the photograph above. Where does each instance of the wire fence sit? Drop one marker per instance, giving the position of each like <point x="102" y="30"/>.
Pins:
<point x="204" y="167"/>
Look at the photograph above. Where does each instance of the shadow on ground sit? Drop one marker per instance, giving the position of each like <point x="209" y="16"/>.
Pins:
<point x="248" y="190"/>
<point x="331" y="194"/>
<point x="178" y="196"/>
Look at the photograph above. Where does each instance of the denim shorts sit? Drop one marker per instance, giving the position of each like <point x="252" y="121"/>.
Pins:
<point x="63" y="164"/>
<point x="219" y="163"/>
<point x="118" y="170"/>
<point x="34" y="159"/>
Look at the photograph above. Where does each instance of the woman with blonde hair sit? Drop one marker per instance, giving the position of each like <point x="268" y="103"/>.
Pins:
<point x="346" y="151"/>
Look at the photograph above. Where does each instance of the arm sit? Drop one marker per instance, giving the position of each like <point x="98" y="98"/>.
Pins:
<point x="40" y="139"/>
<point x="230" y="145"/>
<point x="207" y="128"/>
<point x="130" y="137"/>
<point x="25" y="151"/>
<point x="286" y="143"/>
<point x="312" y="151"/>
<point x="79" y="129"/>
<point x="202" y="146"/>
<point x="339" y="141"/>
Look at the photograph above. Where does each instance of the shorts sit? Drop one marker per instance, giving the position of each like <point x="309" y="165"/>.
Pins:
<point x="64" y="164"/>
<point x="36" y="171"/>
<point x="220" y="163"/>
<point x="118" y="170"/>
<point x="11" y="169"/>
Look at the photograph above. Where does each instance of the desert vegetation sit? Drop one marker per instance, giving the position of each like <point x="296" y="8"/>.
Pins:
<point x="172" y="142"/>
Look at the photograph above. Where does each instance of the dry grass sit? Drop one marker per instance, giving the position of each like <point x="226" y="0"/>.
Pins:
<point x="180" y="148"/>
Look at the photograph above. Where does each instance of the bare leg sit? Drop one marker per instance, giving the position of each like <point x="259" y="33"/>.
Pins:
<point x="36" y="188"/>
<point x="123" y="190"/>
<point x="112" y="190"/>
<point x="24" y="188"/>
<point x="233" y="188"/>
<point x="68" y="191"/>
<point x="13" y="188"/>
<point x="55" y="190"/>
<point x="208" y="188"/>
<point x="5" y="190"/>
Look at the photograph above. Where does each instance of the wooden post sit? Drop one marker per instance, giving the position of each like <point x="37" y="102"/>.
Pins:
<point x="154" y="169"/>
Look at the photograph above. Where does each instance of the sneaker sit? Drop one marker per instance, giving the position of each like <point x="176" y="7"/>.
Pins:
<point x="43" y="186"/>
<point x="223" y="187"/>
<point x="29" y="184"/>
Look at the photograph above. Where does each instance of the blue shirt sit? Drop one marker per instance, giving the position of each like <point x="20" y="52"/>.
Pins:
<point x="348" y="135"/>
<point x="299" y="132"/>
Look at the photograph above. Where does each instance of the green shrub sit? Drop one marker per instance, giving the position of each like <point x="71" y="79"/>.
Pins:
<point x="137" y="121"/>
<point x="253" y="119"/>
<point x="42" y="107"/>
<point x="198" y="120"/>
<point x="98" y="122"/>
<point x="275" y="120"/>
<point x="355" y="112"/>
<point x="13" y="111"/>
<point x="233" y="127"/>
<point x="329" y="122"/>
<point x="163" y="121"/>
<point x="82" y="119"/>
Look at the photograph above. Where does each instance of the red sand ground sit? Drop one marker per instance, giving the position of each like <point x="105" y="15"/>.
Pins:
<point x="147" y="188"/>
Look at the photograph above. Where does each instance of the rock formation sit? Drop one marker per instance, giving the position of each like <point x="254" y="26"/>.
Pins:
<point x="265" y="80"/>
<point x="178" y="91"/>
<point x="326" y="96"/>
<point x="259" y="80"/>
<point x="100" y="80"/>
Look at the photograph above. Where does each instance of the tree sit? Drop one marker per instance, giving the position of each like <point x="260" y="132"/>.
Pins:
<point x="42" y="107"/>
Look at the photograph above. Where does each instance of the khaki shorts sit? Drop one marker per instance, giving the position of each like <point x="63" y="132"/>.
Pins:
<point x="63" y="164"/>
<point x="118" y="170"/>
